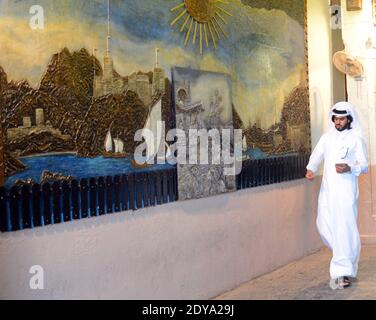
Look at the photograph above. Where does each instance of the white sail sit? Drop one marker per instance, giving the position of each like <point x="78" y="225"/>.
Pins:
<point x="116" y="146"/>
<point x="245" y="147"/>
<point x="119" y="145"/>
<point x="154" y="116"/>
<point x="168" y="152"/>
<point x="108" y="142"/>
<point x="166" y="155"/>
<point x="169" y="155"/>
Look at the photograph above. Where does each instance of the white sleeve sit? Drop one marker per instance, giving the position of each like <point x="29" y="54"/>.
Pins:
<point x="317" y="156"/>
<point x="361" y="165"/>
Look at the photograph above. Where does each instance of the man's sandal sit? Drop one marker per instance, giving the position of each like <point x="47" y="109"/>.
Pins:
<point x="347" y="279"/>
<point x="339" y="283"/>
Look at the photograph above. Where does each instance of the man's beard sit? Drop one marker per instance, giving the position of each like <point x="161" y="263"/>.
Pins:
<point x="342" y="128"/>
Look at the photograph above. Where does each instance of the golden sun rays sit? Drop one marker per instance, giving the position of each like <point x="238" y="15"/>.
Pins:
<point x="203" y="21"/>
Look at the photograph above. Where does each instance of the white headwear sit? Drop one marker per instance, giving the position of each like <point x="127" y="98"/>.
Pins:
<point x="343" y="109"/>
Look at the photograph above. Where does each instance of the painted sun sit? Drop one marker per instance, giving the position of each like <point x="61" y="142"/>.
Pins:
<point x="203" y="21"/>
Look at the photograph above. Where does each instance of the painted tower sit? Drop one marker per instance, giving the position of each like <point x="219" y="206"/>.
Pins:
<point x="158" y="76"/>
<point x="109" y="82"/>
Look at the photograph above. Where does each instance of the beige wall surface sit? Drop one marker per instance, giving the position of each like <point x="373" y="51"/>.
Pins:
<point x="193" y="249"/>
<point x="359" y="37"/>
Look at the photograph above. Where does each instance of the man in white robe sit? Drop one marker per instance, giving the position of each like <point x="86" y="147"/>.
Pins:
<point x="345" y="157"/>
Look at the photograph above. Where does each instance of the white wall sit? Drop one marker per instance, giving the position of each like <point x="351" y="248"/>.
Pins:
<point x="357" y="28"/>
<point x="320" y="71"/>
<point x="185" y="250"/>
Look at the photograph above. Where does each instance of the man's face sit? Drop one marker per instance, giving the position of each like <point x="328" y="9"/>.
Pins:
<point x="340" y="123"/>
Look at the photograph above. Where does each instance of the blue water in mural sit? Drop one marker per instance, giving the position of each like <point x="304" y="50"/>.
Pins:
<point x="69" y="164"/>
<point x="256" y="153"/>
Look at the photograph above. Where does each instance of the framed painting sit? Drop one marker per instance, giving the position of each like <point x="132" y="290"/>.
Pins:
<point x="203" y="109"/>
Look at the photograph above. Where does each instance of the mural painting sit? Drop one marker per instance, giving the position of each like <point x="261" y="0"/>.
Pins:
<point x="74" y="90"/>
<point x="203" y="102"/>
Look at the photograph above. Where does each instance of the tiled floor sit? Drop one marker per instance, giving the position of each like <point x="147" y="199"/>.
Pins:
<point x="307" y="279"/>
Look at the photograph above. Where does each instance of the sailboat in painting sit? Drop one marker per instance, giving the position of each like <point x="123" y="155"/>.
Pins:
<point x="114" y="148"/>
<point x="245" y="149"/>
<point x="154" y="116"/>
<point x="108" y="142"/>
<point x="167" y="155"/>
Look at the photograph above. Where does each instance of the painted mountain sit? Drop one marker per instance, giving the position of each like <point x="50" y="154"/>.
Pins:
<point x="62" y="115"/>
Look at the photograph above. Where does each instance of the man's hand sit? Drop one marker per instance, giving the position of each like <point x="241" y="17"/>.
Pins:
<point x="309" y="175"/>
<point x="342" y="168"/>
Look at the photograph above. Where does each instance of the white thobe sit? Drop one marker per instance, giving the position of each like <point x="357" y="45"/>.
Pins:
<point x="338" y="199"/>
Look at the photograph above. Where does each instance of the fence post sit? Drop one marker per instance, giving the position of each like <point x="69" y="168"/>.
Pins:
<point x="56" y="205"/>
<point x="247" y="174"/>
<point x="176" y="190"/>
<point x="252" y="173"/>
<point x="293" y="167"/>
<point x="75" y="199"/>
<point x="266" y="171"/>
<point x="93" y="197"/>
<point x="109" y="194"/>
<point x="46" y="195"/>
<point x="131" y="181"/>
<point x="276" y="169"/>
<point x="27" y="220"/>
<point x="125" y="194"/>
<point x="138" y="188"/>
<point x="273" y="171"/>
<point x="36" y="201"/>
<point x="66" y="195"/>
<point x="280" y="169"/>
<point x="4" y="223"/>
<point x="14" y="208"/>
<point x="289" y="171"/>
<point x="300" y="166"/>
<point x="158" y="181"/>
<point x="286" y="171"/>
<point x="145" y="190"/>
<point x="117" y="193"/>
<point x="84" y="197"/>
<point x="296" y="167"/>
<point x="152" y="191"/>
<point x="258" y="172"/>
<point x="303" y="165"/>
<point x="164" y="186"/>
<point x="171" y="193"/>
<point x="101" y="195"/>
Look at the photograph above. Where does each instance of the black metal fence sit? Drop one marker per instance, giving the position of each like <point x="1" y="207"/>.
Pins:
<point x="272" y="170"/>
<point x="36" y="205"/>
